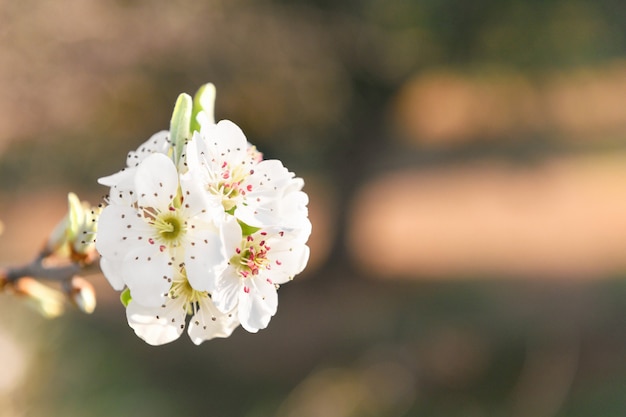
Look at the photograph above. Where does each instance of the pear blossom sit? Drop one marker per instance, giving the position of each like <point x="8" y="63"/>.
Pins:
<point x="258" y="192"/>
<point x="258" y="264"/>
<point x="198" y="224"/>
<point x="142" y="245"/>
<point x="166" y="322"/>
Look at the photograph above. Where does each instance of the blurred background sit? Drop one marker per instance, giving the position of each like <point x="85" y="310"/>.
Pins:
<point x="466" y="165"/>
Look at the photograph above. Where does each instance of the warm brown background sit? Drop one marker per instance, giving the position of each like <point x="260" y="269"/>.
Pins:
<point x="466" y="163"/>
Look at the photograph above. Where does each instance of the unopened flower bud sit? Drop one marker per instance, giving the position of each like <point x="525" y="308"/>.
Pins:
<point x="82" y="294"/>
<point x="203" y="107"/>
<point x="73" y="236"/>
<point x="47" y="301"/>
<point x="180" y="124"/>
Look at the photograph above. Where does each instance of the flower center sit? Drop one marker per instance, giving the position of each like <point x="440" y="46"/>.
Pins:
<point x="251" y="258"/>
<point x="229" y="185"/>
<point x="182" y="289"/>
<point x="170" y="227"/>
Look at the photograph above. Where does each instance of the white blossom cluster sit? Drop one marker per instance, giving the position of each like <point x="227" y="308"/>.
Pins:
<point x="205" y="228"/>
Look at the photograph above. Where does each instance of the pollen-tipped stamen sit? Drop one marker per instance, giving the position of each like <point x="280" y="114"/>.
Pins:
<point x="252" y="258"/>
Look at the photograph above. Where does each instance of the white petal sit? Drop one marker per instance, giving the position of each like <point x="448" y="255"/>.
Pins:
<point x="209" y="322"/>
<point x="158" y="143"/>
<point x="256" y="216"/>
<point x="157" y="325"/>
<point x="231" y="234"/>
<point x="288" y="258"/>
<point x="119" y="230"/>
<point x="270" y="174"/>
<point x="273" y="198"/>
<point x="122" y="185"/>
<point x="120" y="177"/>
<point x="295" y="184"/>
<point x="257" y="306"/>
<point x="196" y="201"/>
<point x="204" y="259"/>
<point x="156" y="182"/>
<point x="226" y="142"/>
<point x="148" y="273"/>
<point x="266" y="291"/>
<point x="293" y="209"/>
<point x="112" y="270"/>
<point x="229" y="284"/>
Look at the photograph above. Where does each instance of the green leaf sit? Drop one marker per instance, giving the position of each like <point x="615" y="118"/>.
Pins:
<point x="180" y="124"/>
<point x="125" y="297"/>
<point x="203" y="101"/>
<point x="247" y="230"/>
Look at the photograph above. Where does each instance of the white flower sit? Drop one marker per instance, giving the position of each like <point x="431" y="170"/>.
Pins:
<point x="260" y="193"/>
<point x="258" y="263"/>
<point x="166" y="322"/>
<point x="142" y="245"/>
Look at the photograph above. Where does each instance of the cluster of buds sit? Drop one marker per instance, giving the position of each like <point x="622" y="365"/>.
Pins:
<point x="69" y="248"/>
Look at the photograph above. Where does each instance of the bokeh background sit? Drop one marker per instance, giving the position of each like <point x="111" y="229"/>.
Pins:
<point x="466" y="164"/>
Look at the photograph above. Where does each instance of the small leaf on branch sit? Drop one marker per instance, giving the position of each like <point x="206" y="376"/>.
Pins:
<point x="125" y="297"/>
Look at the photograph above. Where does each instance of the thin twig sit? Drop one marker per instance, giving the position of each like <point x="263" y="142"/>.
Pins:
<point x="37" y="269"/>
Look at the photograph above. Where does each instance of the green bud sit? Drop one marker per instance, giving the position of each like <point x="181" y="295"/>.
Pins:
<point x="180" y="125"/>
<point x="203" y="102"/>
<point x="76" y="216"/>
<point x="73" y="235"/>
